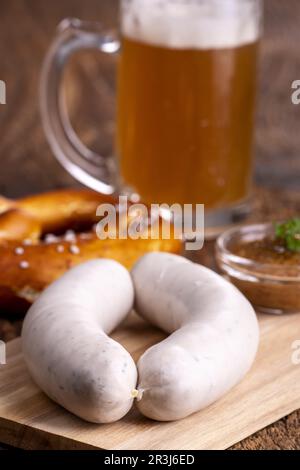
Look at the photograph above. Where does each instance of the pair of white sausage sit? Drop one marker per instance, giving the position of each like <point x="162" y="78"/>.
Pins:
<point x="213" y="341"/>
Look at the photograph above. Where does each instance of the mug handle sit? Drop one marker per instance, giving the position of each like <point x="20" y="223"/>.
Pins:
<point x="89" y="168"/>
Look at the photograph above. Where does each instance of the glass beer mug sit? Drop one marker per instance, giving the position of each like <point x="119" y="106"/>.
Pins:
<point x="187" y="80"/>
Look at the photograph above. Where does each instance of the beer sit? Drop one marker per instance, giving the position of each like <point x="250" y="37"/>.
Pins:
<point x="186" y="102"/>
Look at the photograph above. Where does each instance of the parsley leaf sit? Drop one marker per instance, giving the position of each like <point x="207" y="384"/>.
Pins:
<point x="289" y="233"/>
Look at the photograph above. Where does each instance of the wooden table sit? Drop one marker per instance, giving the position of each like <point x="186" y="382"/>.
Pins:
<point x="26" y="29"/>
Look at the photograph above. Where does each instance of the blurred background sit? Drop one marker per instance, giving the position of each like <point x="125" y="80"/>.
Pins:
<point x="26" y="30"/>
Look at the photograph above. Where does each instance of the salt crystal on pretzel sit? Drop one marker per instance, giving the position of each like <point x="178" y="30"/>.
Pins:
<point x="24" y="264"/>
<point x="19" y="251"/>
<point x="74" y="249"/>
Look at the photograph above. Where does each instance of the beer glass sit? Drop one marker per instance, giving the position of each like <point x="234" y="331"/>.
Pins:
<point x="187" y="80"/>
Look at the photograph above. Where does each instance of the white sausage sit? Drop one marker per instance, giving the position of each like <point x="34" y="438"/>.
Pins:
<point x="213" y="342"/>
<point x="66" y="347"/>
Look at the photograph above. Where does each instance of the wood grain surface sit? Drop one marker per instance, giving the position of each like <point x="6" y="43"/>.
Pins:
<point x="26" y="30"/>
<point x="28" y="419"/>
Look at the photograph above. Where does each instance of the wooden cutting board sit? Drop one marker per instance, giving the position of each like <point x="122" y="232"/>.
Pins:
<point x="28" y="419"/>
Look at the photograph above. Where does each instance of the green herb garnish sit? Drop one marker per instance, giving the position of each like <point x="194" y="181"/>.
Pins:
<point x="289" y="234"/>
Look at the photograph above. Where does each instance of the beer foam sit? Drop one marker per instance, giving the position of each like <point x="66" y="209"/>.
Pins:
<point x="192" y="24"/>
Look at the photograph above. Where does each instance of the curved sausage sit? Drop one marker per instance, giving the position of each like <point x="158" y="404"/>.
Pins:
<point x="213" y="342"/>
<point x="66" y="347"/>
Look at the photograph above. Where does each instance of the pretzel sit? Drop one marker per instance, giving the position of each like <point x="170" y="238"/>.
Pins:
<point x="59" y="210"/>
<point x="16" y="224"/>
<point x="43" y="236"/>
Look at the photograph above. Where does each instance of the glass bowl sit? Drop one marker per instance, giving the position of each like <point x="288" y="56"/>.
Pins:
<point x="270" y="287"/>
